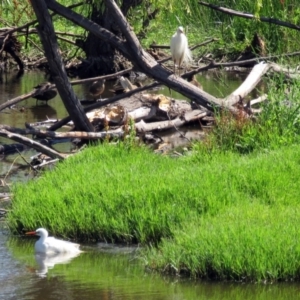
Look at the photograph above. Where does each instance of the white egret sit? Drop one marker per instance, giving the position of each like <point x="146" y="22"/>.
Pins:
<point x="51" y="245"/>
<point x="179" y="49"/>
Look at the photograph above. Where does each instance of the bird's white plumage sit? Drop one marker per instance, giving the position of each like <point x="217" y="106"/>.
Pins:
<point x="179" y="48"/>
<point x="46" y="244"/>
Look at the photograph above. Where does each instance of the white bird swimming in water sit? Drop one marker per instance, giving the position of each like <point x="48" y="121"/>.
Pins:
<point x="46" y="244"/>
<point x="179" y="49"/>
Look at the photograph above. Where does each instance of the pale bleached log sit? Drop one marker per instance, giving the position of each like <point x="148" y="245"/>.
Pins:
<point x="290" y="73"/>
<point x="143" y="112"/>
<point x="144" y="127"/>
<point x="194" y="115"/>
<point x="45" y="163"/>
<point x="259" y="99"/>
<point x="248" y="85"/>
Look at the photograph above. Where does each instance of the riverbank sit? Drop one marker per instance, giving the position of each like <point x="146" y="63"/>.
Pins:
<point x="222" y="216"/>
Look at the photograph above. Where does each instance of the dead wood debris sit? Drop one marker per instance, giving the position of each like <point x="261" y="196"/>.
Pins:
<point x="109" y="118"/>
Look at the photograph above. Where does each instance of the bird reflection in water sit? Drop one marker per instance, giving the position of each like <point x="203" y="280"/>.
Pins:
<point x="48" y="261"/>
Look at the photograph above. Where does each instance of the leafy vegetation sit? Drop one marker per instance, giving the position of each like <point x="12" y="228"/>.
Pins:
<point x="277" y="124"/>
<point x="201" y="22"/>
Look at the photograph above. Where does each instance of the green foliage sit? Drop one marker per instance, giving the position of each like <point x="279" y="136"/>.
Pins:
<point x="277" y="125"/>
<point x="200" y="22"/>
<point x="18" y="13"/>
<point x="234" y="33"/>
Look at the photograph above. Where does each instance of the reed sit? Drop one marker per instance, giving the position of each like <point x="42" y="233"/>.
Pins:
<point x="247" y="242"/>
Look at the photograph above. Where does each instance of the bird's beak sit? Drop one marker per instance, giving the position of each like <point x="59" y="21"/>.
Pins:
<point x="31" y="233"/>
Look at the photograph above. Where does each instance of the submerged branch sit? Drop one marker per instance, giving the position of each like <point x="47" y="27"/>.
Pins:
<point x="62" y="135"/>
<point x="32" y="144"/>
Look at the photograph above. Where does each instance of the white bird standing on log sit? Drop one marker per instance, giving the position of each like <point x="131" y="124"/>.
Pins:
<point x="51" y="245"/>
<point x="179" y="49"/>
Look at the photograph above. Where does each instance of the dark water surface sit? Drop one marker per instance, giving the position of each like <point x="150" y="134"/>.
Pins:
<point x="102" y="271"/>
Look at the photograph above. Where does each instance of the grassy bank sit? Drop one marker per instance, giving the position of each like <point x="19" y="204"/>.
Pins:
<point x="224" y="216"/>
<point x="257" y="237"/>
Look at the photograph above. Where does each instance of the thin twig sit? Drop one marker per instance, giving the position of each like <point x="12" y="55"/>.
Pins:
<point x="29" y="164"/>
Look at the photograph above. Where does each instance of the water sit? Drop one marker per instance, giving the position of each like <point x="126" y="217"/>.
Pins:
<point x="102" y="271"/>
<point x="105" y="272"/>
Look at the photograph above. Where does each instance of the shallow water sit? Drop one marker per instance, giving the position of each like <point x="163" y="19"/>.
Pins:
<point x="107" y="272"/>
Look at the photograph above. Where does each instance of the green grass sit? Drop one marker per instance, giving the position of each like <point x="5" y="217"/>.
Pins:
<point x="277" y="125"/>
<point x="108" y="192"/>
<point x="228" y="216"/>
<point x="256" y="237"/>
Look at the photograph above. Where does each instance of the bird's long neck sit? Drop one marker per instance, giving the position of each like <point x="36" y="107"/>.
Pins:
<point x="43" y="237"/>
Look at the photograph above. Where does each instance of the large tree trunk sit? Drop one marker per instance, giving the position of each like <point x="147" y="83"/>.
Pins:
<point x="48" y="39"/>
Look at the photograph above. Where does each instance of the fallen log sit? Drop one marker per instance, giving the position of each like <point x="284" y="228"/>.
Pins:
<point x="32" y="144"/>
<point x="5" y="196"/>
<point x="175" y="123"/>
<point x="163" y="125"/>
<point x="11" y="132"/>
<point x="249" y="83"/>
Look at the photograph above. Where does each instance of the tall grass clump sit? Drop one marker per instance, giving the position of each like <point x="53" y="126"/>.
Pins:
<point x="246" y="242"/>
<point x="118" y="193"/>
<point x="277" y="125"/>
<point x="225" y="216"/>
<point x="253" y="238"/>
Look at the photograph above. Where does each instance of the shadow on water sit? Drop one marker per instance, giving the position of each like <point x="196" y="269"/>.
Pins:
<point x="111" y="274"/>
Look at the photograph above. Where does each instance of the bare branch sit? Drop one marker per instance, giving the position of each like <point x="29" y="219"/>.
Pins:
<point x="250" y="16"/>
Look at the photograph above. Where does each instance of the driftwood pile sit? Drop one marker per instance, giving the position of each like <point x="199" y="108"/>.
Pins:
<point x="108" y="118"/>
